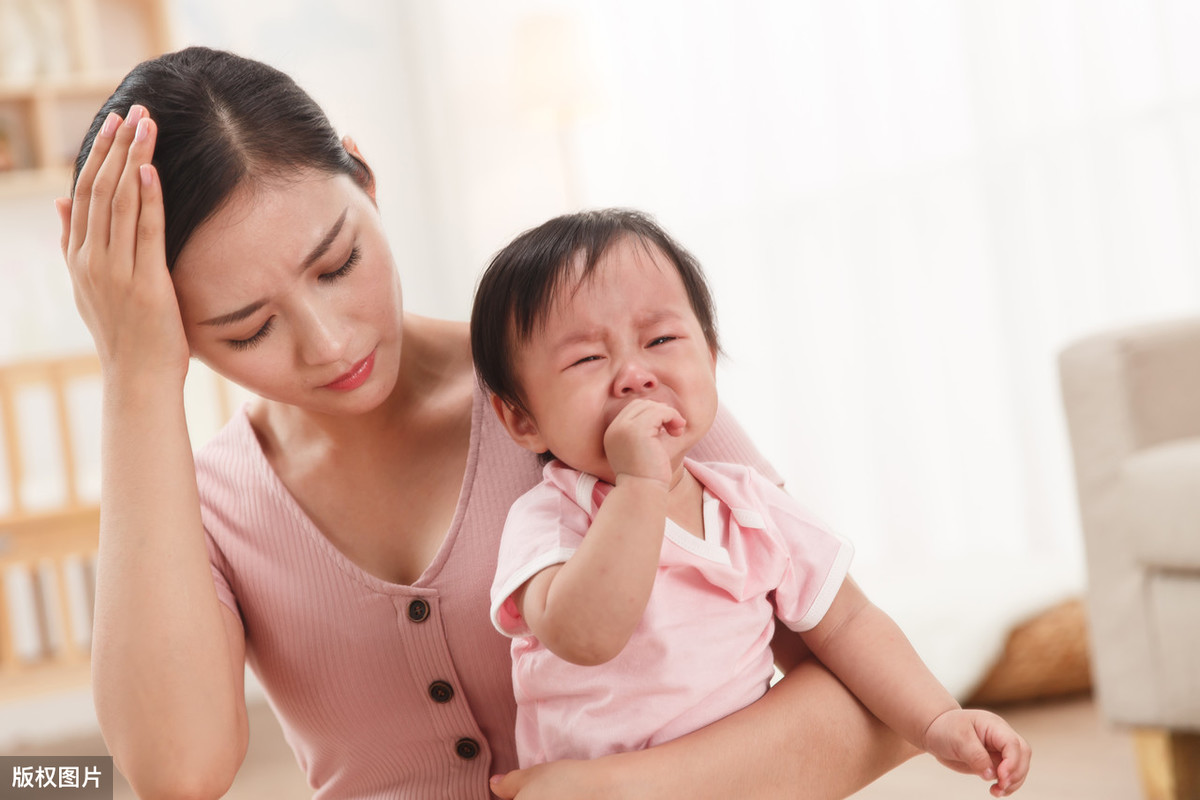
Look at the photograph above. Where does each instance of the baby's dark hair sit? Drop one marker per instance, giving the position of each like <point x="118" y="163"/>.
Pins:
<point x="222" y="120"/>
<point x="516" y="292"/>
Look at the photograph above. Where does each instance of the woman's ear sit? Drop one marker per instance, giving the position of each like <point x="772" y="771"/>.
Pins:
<point x="369" y="184"/>
<point x="520" y="426"/>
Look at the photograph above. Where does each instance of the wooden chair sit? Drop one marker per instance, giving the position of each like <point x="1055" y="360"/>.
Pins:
<point x="48" y="548"/>
<point x="47" y="551"/>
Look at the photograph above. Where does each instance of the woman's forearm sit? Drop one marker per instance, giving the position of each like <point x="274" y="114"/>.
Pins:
<point x="167" y="675"/>
<point x="807" y="737"/>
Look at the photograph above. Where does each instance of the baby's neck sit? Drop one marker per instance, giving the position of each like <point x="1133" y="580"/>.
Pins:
<point x="685" y="504"/>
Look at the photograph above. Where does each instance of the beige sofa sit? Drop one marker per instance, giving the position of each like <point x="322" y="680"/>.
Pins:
<point x="1132" y="402"/>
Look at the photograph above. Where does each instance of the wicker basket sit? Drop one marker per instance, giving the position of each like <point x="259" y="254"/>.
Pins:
<point x="1044" y="657"/>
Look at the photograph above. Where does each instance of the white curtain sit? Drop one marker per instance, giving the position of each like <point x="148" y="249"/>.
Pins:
<point x="906" y="210"/>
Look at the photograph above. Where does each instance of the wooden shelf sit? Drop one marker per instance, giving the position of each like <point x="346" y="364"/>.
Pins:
<point x="52" y="85"/>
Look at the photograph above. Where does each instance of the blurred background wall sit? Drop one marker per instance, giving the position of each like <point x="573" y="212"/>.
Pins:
<point x="905" y="209"/>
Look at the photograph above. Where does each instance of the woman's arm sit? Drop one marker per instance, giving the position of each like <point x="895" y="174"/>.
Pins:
<point x="807" y="737"/>
<point x="167" y="658"/>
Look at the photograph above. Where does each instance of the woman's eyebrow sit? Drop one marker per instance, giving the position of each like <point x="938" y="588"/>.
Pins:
<point x="235" y="316"/>
<point x="318" y="251"/>
<point x="325" y="243"/>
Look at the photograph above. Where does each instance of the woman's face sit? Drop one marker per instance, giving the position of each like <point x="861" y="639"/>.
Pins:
<point x="290" y="291"/>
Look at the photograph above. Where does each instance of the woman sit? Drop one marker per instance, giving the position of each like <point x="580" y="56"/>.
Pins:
<point x="340" y="533"/>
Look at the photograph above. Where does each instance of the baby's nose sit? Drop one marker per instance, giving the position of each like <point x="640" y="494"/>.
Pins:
<point x="635" y="378"/>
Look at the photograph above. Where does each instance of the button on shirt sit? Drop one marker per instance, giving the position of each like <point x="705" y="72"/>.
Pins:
<point x="418" y="610"/>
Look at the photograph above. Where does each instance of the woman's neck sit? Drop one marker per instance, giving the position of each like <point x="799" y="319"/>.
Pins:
<point x="435" y="362"/>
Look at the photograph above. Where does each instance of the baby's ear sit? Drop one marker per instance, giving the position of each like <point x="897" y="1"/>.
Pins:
<point x="520" y="426"/>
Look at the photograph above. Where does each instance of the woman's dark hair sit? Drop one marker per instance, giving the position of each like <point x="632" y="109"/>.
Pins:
<point x="517" y="290"/>
<point x="222" y="119"/>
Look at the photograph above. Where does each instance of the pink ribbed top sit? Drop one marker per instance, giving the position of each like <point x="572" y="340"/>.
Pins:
<point x="382" y="690"/>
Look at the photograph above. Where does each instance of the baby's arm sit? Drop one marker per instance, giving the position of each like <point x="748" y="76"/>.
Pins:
<point x="585" y="610"/>
<point x="872" y="656"/>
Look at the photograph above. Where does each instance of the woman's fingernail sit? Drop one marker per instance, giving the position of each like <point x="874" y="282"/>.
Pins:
<point x="143" y="129"/>
<point x="135" y="114"/>
<point x="110" y="123"/>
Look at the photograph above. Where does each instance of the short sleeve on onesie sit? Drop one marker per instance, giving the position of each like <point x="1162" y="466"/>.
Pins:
<point x="544" y="527"/>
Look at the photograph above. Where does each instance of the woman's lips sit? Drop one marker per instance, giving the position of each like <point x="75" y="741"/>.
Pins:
<point x="355" y="378"/>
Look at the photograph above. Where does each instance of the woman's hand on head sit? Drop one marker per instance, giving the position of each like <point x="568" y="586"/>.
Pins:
<point x="114" y="246"/>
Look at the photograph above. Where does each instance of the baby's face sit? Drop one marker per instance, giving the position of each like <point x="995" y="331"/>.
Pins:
<point x="627" y="332"/>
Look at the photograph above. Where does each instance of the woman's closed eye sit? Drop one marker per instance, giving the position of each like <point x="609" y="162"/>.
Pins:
<point x="327" y="277"/>
<point x="345" y="269"/>
<point x="253" y="339"/>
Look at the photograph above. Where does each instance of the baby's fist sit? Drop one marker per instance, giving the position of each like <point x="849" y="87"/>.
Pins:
<point x="980" y="743"/>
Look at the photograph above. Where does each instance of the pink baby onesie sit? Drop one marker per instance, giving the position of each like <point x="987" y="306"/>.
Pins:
<point x="702" y="649"/>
